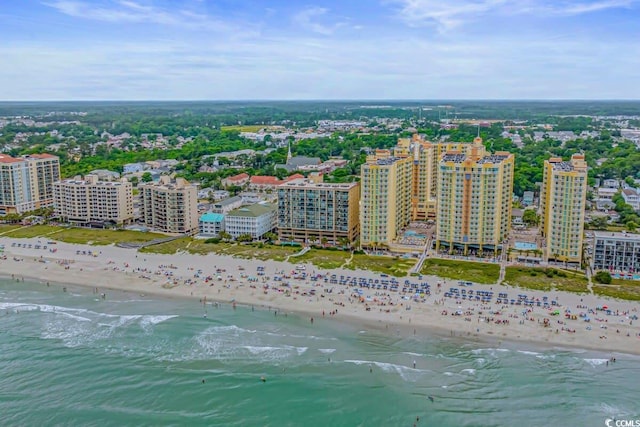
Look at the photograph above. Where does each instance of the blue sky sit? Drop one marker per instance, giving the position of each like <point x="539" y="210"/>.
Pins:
<point x="319" y="49"/>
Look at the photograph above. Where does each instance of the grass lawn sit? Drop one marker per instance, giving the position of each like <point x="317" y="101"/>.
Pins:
<point x="479" y="272"/>
<point x="168" y="247"/>
<point x="244" y="128"/>
<point x="33" y="231"/>
<point x="323" y="258"/>
<point x="103" y="237"/>
<point x="622" y="289"/>
<point x="199" y="246"/>
<point x="5" y="228"/>
<point x="82" y="235"/>
<point x="546" y="279"/>
<point x="388" y="265"/>
<point x="255" y="251"/>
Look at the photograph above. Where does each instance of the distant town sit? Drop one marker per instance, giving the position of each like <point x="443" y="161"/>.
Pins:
<point x="418" y="182"/>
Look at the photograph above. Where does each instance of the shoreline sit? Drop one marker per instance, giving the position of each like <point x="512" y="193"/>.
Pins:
<point x="216" y="278"/>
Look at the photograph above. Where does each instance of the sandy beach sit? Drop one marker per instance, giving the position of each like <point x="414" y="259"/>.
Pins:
<point x="340" y="294"/>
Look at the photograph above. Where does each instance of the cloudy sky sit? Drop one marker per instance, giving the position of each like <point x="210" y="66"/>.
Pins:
<point x="319" y="49"/>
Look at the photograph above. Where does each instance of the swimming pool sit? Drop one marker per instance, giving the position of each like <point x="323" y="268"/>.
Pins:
<point x="525" y="246"/>
<point x="410" y="233"/>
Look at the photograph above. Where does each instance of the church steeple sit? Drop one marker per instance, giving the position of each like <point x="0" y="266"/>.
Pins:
<point x="289" y="155"/>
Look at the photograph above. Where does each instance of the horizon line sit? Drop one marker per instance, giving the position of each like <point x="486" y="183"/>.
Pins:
<point x="344" y="100"/>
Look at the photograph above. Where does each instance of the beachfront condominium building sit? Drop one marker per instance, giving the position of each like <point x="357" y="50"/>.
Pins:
<point x="253" y="220"/>
<point x="562" y="198"/>
<point x="313" y="211"/>
<point x="26" y="183"/>
<point x="169" y="206"/>
<point x="385" y="198"/>
<point x="426" y="157"/>
<point x="474" y="196"/>
<point x="618" y="253"/>
<point x="87" y="201"/>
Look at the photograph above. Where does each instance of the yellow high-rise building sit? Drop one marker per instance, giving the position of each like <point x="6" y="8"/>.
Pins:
<point x="426" y="157"/>
<point x="385" y="199"/>
<point x="474" y="193"/>
<point x="563" y="197"/>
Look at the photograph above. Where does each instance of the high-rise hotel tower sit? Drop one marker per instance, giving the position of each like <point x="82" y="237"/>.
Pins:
<point x="385" y="198"/>
<point x="563" y="197"/>
<point x="474" y="194"/>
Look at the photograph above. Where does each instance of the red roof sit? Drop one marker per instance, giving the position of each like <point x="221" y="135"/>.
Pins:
<point x="265" y="180"/>
<point x="8" y="159"/>
<point x="239" y="177"/>
<point x="294" y="176"/>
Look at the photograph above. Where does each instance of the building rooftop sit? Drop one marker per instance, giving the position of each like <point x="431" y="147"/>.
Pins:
<point x="617" y="236"/>
<point x="305" y="183"/>
<point x="264" y="180"/>
<point x="5" y="158"/>
<point x="303" y="160"/>
<point x="211" y="217"/>
<point x="253" y="211"/>
<point x="238" y="177"/>
<point x="493" y="158"/>
<point x="454" y="157"/>
<point x="229" y="201"/>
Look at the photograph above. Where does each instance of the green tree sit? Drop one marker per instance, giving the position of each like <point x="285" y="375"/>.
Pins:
<point x="603" y="277"/>
<point x="530" y="217"/>
<point x="244" y="238"/>
<point x="146" y="177"/>
<point x="270" y="237"/>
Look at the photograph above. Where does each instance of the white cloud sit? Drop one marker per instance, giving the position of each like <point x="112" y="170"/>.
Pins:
<point x="448" y="14"/>
<point x="127" y="11"/>
<point x="308" y="20"/>
<point x="308" y="68"/>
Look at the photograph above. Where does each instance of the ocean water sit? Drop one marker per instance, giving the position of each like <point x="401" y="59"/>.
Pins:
<point x="73" y="359"/>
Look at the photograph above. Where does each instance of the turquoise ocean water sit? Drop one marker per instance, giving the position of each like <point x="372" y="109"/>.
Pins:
<point x="73" y="359"/>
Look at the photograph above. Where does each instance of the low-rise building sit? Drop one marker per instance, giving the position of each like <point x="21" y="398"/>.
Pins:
<point x="227" y="205"/>
<point x="211" y="224"/>
<point x="90" y="201"/>
<point x="527" y="198"/>
<point x="236" y="180"/>
<point x="251" y="198"/>
<point x="616" y="252"/>
<point x="255" y="220"/>
<point x="134" y="167"/>
<point x="220" y="195"/>
<point x="262" y="183"/>
<point x="105" y="175"/>
<point x="631" y="198"/>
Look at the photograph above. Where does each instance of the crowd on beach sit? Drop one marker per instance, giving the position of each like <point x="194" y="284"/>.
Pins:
<point x="464" y="308"/>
